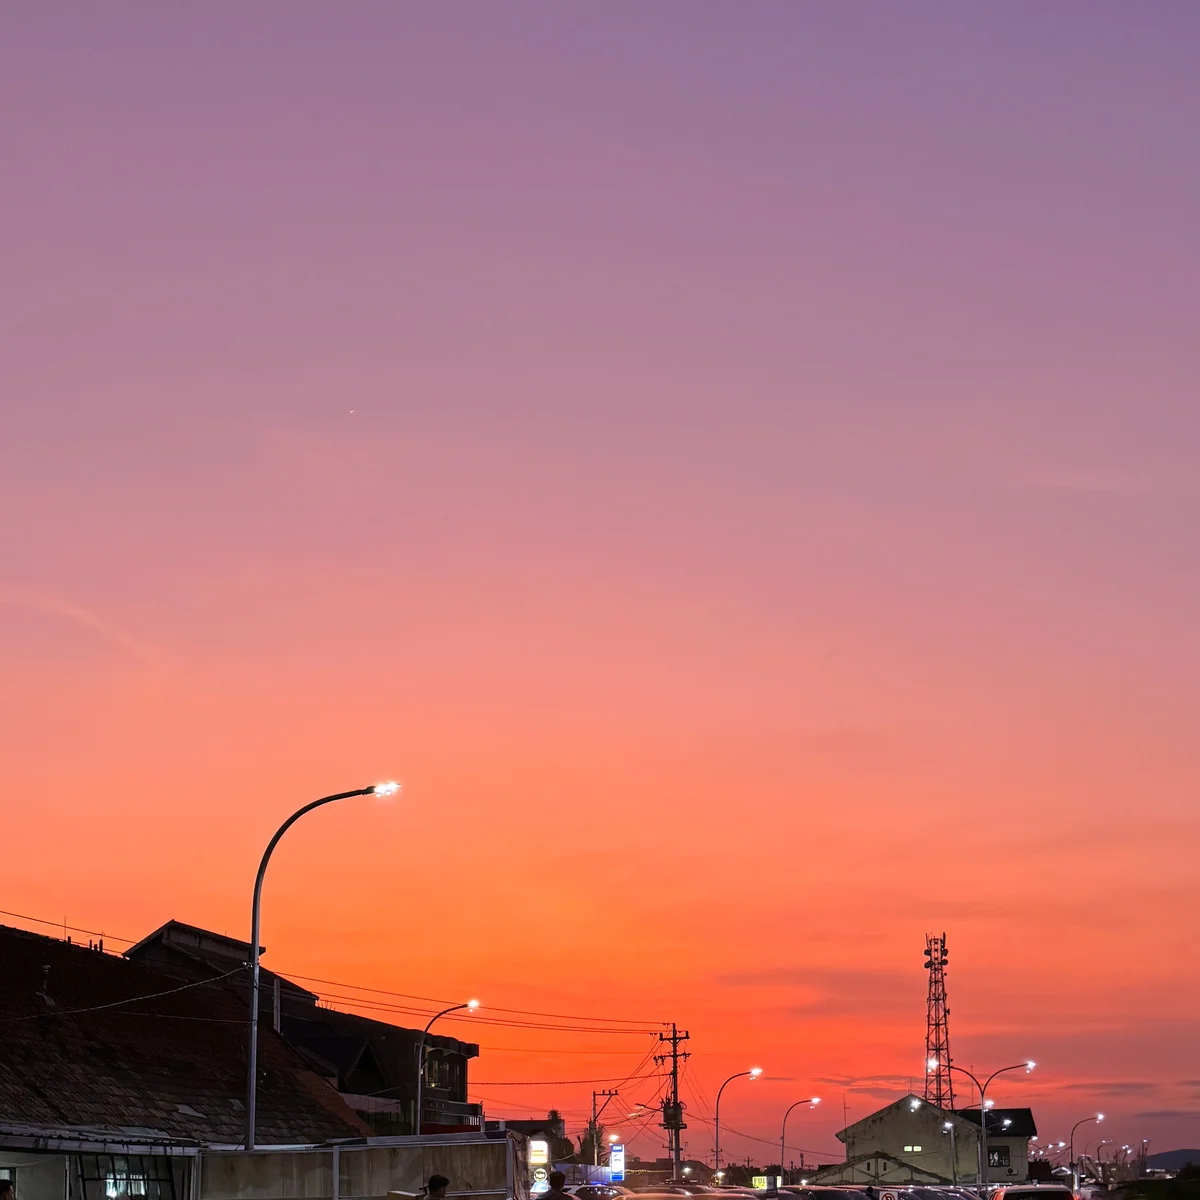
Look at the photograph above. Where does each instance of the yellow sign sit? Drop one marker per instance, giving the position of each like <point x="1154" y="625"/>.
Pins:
<point x="539" y="1153"/>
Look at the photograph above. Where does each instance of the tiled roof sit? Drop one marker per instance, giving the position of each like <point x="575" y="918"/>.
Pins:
<point x="175" y="1064"/>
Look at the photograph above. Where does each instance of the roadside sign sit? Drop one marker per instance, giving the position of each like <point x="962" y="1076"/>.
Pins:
<point x="888" y="1196"/>
<point x="539" y="1153"/>
<point x="616" y="1164"/>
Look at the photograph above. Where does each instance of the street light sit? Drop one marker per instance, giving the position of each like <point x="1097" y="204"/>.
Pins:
<point x="812" y="1103"/>
<point x="753" y="1073"/>
<point x="948" y="1126"/>
<point x="379" y="789"/>
<point x="471" y="1005"/>
<point x="982" y="1088"/>
<point x="1073" y="1165"/>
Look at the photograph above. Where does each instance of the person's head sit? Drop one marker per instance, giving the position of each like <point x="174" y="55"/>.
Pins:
<point x="436" y="1189"/>
<point x="558" y="1181"/>
<point x="7" y="1191"/>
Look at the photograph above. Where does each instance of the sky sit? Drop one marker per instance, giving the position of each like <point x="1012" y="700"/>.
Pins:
<point x="734" y="464"/>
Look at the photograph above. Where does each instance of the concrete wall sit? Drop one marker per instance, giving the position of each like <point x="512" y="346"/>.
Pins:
<point x="475" y="1166"/>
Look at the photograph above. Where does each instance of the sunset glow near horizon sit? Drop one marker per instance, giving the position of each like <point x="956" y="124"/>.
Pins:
<point x="735" y="465"/>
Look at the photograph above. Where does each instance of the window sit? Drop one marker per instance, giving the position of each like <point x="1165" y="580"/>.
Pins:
<point x="999" y="1156"/>
<point x="437" y="1072"/>
<point x="115" y="1177"/>
<point x="912" y="1149"/>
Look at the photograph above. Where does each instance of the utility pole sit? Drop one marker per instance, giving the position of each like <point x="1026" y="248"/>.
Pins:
<point x="672" y="1109"/>
<point x="608" y="1094"/>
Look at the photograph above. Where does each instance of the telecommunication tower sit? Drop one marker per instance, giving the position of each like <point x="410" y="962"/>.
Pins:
<point x="939" y="1079"/>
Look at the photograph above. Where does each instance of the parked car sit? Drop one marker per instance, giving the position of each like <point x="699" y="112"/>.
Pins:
<point x="1033" y="1191"/>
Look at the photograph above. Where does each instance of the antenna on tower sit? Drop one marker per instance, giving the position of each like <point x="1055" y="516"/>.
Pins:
<point x="939" y="1079"/>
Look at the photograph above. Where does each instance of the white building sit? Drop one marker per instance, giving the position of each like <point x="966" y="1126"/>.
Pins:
<point x="912" y="1141"/>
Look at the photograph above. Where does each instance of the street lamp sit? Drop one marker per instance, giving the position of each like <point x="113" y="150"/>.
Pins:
<point x="470" y="1005"/>
<point x="948" y="1126"/>
<point x="378" y="789"/>
<point x="1074" y="1166"/>
<point x="812" y="1103"/>
<point x="983" y="1108"/>
<point x="753" y="1073"/>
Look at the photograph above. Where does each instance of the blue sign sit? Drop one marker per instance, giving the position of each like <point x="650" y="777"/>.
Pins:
<point x="616" y="1164"/>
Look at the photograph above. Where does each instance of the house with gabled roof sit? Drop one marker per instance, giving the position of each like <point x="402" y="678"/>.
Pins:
<point x="911" y="1141"/>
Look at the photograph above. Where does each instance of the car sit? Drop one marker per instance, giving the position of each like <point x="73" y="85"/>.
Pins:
<point x="1033" y="1191"/>
<point x="598" y="1191"/>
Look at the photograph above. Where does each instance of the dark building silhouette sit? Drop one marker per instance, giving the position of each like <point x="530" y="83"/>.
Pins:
<point x="373" y="1064"/>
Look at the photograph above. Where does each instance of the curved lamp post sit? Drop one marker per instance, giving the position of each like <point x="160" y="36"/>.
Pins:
<point x="472" y="1005"/>
<point x="812" y="1102"/>
<point x="1074" y="1167"/>
<point x="753" y="1073"/>
<point x="982" y="1089"/>
<point x="378" y="789"/>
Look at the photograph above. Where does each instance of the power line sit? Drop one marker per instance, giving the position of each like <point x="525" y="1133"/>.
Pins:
<point x="74" y="1012"/>
<point x="584" y="1022"/>
<point x="556" y="1082"/>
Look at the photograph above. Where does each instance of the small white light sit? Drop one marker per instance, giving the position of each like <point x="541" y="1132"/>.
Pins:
<point x="815" y="1100"/>
<point x="1030" y="1065"/>
<point x="1099" y="1116"/>
<point x="614" y="1138"/>
<point x="387" y="789"/>
<point x="990" y="1104"/>
<point x="932" y="1064"/>
<point x="755" y="1072"/>
<point x="472" y="1004"/>
<point x="947" y="1124"/>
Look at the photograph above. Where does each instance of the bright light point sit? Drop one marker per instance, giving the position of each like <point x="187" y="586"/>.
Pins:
<point x="1099" y="1116"/>
<point x="990" y="1104"/>
<point x="1030" y="1065"/>
<point x="472" y="1004"/>
<point x="932" y="1064"/>
<point x="614" y="1138"/>
<point x="815" y="1100"/>
<point x="387" y="789"/>
<point x="947" y="1124"/>
<point x="755" y="1072"/>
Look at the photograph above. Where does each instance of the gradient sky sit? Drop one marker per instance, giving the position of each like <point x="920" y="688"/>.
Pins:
<point x="736" y="464"/>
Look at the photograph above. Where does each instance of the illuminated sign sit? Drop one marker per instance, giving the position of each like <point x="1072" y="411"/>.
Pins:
<point x="616" y="1163"/>
<point x="539" y="1153"/>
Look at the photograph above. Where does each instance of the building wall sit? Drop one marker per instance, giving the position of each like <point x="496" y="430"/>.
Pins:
<point x="916" y="1135"/>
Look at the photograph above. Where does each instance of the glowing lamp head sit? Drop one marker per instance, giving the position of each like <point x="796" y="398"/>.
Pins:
<point x="390" y="788"/>
<point x="1030" y="1065"/>
<point x="815" y="1101"/>
<point x="754" y="1072"/>
<point x="947" y="1124"/>
<point x="472" y="1005"/>
<point x="614" y="1138"/>
<point x="1099" y="1116"/>
<point x="989" y="1104"/>
<point x="932" y="1064"/>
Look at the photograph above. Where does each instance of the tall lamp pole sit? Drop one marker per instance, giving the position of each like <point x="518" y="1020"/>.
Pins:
<point x="812" y="1103"/>
<point x="470" y="1004"/>
<point x="753" y="1073"/>
<point x="1073" y="1164"/>
<point x="379" y="789"/>
<point x="982" y="1089"/>
<point x="948" y="1126"/>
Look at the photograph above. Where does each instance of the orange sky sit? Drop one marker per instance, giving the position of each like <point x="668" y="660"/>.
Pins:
<point x="753" y="516"/>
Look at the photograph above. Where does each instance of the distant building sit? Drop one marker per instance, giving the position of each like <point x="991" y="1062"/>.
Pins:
<point x="373" y="1064"/>
<point x="914" y="1142"/>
